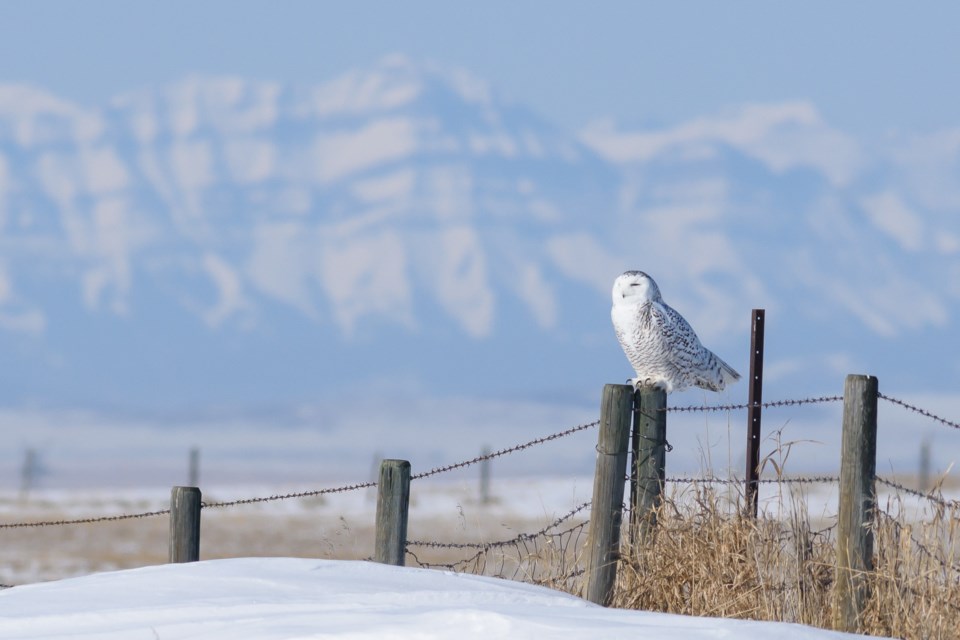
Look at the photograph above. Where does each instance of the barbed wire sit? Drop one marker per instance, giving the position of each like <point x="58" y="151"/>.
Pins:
<point x="520" y="544"/>
<point x="901" y="530"/>
<point x="503" y="452"/>
<point x="288" y="496"/>
<point x="716" y="480"/>
<point x="520" y="447"/>
<point x="943" y="502"/>
<point x="301" y="494"/>
<point x="747" y="405"/>
<point x="163" y="512"/>
<point x="456" y="566"/>
<point x="90" y="520"/>
<point x="922" y="412"/>
<point x="430" y="544"/>
<point x="576" y="573"/>
<point x="919" y="594"/>
<point x="524" y="553"/>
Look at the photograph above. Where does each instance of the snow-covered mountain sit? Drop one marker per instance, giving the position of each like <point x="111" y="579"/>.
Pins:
<point x="236" y="243"/>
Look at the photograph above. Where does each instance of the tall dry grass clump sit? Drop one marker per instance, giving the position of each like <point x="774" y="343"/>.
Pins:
<point x="915" y="588"/>
<point x="705" y="557"/>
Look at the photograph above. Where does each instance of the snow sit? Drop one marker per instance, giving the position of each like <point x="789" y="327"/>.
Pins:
<point x="783" y="136"/>
<point x="276" y="598"/>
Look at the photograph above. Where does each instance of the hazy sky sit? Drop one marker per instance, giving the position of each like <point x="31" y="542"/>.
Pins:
<point x="870" y="67"/>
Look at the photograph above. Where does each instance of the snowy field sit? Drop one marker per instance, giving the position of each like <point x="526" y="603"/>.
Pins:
<point x="280" y="598"/>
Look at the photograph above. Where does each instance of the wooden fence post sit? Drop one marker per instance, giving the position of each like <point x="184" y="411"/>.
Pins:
<point x="923" y="476"/>
<point x="193" y="468"/>
<point x="858" y="499"/>
<point x="648" y="472"/>
<point x="606" y="513"/>
<point x="485" y="476"/>
<point x="393" y="502"/>
<point x="185" y="524"/>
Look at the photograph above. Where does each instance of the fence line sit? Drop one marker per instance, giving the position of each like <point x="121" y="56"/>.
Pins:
<point x="502" y="543"/>
<point x="521" y="447"/>
<point x="549" y="531"/>
<point x="503" y="452"/>
<point x="677" y="480"/>
<point x="480" y="555"/>
<point x="91" y="520"/>
<point x="740" y="481"/>
<point x="746" y="405"/>
<point x="922" y="412"/>
<point x="311" y="493"/>
<point x="564" y="542"/>
<point x="478" y="559"/>
<point x="949" y="504"/>
<point x="288" y="496"/>
<point x="901" y="530"/>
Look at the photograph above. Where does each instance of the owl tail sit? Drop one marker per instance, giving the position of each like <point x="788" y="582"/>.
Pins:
<point x="727" y="373"/>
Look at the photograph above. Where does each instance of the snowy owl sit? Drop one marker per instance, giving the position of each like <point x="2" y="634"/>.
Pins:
<point x="660" y="345"/>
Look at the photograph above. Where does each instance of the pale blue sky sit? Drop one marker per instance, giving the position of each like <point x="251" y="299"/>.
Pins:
<point x="870" y="67"/>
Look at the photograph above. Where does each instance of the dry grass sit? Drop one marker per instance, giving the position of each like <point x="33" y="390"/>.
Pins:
<point x="705" y="558"/>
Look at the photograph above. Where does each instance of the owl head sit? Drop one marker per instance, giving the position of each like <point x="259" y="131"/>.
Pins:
<point x="635" y="287"/>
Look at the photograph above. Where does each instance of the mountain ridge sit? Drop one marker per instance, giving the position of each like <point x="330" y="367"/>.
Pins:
<point x="406" y="221"/>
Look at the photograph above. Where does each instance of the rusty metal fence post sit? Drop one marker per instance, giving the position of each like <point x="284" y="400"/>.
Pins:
<point x="753" y="412"/>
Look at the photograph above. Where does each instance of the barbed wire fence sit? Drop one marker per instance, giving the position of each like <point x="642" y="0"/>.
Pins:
<point x="552" y="554"/>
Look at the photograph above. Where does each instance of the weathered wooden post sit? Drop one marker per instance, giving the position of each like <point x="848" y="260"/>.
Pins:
<point x="754" y="411"/>
<point x="649" y="459"/>
<point x="606" y="513"/>
<point x="193" y="468"/>
<point x="185" y="524"/>
<point x="393" y="502"/>
<point x="29" y="473"/>
<point x="857" y="500"/>
<point x="485" y="476"/>
<point x="923" y="481"/>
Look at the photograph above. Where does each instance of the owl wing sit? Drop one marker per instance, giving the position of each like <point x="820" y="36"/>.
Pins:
<point x="681" y="344"/>
<point x="699" y="365"/>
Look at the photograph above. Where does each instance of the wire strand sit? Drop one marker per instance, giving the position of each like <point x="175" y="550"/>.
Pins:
<point x="746" y="405"/>
<point x="922" y="412"/>
<point x="502" y="543"/>
<point x="503" y="452"/>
